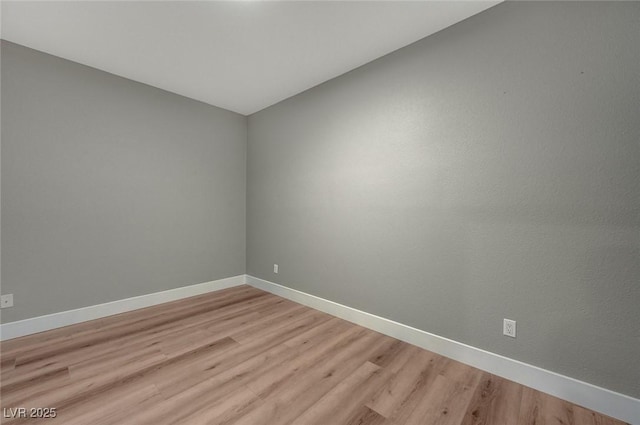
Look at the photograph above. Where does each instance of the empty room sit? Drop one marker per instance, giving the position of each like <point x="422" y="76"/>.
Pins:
<point x="320" y="212"/>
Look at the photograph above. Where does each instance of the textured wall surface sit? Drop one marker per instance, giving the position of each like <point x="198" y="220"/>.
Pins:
<point x="111" y="188"/>
<point x="489" y="171"/>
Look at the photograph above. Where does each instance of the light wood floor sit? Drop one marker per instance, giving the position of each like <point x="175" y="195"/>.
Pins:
<point x="243" y="356"/>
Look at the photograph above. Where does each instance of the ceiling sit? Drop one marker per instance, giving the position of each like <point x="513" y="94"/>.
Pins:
<point x="238" y="55"/>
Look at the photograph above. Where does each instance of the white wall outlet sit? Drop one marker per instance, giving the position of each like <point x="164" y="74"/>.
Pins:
<point x="275" y="268"/>
<point x="6" y="301"/>
<point x="509" y="328"/>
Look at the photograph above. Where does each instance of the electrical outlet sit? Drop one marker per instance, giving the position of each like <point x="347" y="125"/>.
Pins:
<point x="275" y="268"/>
<point x="509" y="328"/>
<point x="6" y="301"/>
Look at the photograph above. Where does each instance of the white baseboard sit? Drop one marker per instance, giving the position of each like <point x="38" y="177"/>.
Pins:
<point x="70" y="317"/>
<point x="608" y="402"/>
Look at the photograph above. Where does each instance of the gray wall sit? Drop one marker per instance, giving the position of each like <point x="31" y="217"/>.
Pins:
<point x="489" y="171"/>
<point x="111" y="188"/>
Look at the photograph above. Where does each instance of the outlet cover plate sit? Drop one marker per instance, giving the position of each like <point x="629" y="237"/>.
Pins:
<point x="509" y="328"/>
<point x="6" y="301"/>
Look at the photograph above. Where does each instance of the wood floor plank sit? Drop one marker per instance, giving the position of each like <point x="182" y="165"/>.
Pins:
<point x="496" y="401"/>
<point x="461" y="373"/>
<point x="539" y="408"/>
<point x="390" y="356"/>
<point x="203" y="393"/>
<point x="444" y="403"/>
<point x="401" y="384"/>
<point x="339" y="404"/>
<point x="584" y="416"/>
<point x="365" y="416"/>
<point x="7" y="364"/>
<point x="113" y="407"/>
<point x="424" y="370"/>
<point x="558" y="412"/>
<point x="285" y="374"/>
<point x="77" y="391"/>
<point x="242" y="353"/>
<point x="226" y="409"/>
<point x="322" y="332"/>
<point x="287" y="399"/>
<point x="242" y="356"/>
<point x="267" y="325"/>
<point x="206" y="392"/>
<point x="18" y="382"/>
